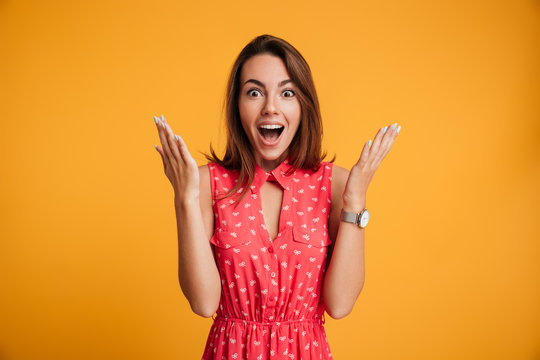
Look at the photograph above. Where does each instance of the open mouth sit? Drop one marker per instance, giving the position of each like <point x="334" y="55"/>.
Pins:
<point x="270" y="133"/>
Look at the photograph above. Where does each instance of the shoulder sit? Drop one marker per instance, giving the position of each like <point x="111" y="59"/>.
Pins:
<point x="205" y="199"/>
<point x="204" y="172"/>
<point x="208" y="167"/>
<point x="340" y="175"/>
<point x="211" y="169"/>
<point x="204" y="180"/>
<point x="204" y="169"/>
<point x="205" y="187"/>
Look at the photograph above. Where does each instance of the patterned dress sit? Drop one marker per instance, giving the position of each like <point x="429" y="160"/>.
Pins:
<point x="269" y="306"/>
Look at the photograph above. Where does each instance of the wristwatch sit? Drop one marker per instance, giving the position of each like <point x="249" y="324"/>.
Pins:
<point x="361" y="219"/>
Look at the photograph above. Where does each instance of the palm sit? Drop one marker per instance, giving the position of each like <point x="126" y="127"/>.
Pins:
<point x="371" y="157"/>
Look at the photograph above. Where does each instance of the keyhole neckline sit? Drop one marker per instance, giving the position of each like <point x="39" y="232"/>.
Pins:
<point x="279" y="174"/>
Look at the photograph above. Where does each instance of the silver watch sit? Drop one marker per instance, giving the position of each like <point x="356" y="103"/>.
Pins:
<point x="361" y="219"/>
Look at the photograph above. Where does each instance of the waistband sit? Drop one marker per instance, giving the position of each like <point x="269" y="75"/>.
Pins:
<point x="320" y="321"/>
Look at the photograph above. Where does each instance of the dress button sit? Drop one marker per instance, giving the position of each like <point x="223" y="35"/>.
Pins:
<point x="270" y="249"/>
<point x="273" y="274"/>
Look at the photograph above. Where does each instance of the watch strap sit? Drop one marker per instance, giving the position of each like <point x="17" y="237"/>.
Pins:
<point x="349" y="217"/>
<point x="353" y="218"/>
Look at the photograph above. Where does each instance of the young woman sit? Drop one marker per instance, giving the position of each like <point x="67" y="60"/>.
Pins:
<point x="262" y="238"/>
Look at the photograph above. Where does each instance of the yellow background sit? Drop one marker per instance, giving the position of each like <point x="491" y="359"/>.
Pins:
<point x="88" y="250"/>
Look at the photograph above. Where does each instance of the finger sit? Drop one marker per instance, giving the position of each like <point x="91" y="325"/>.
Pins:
<point x="376" y="142"/>
<point x="364" y="155"/>
<point x="184" y="152"/>
<point x="173" y="144"/>
<point x="160" y="152"/>
<point x="387" y="143"/>
<point x="163" y="139"/>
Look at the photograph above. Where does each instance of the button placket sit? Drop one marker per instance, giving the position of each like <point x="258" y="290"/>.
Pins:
<point x="273" y="274"/>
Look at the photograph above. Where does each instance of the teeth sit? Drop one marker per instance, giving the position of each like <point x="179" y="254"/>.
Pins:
<point x="270" y="127"/>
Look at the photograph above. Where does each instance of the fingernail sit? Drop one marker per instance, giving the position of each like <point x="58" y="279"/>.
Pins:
<point x="176" y="137"/>
<point x="394" y="125"/>
<point x="163" y="124"/>
<point x="369" y="143"/>
<point x="156" y="119"/>
<point x="155" y="147"/>
<point x="399" y="128"/>
<point x="162" y="118"/>
<point x="384" y="129"/>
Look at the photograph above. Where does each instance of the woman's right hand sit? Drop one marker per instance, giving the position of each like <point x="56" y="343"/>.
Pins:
<point x="179" y="165"/>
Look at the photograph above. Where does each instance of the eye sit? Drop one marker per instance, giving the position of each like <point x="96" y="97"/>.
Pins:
<point x="250" y="91"/>
<point x="288" y="91"/>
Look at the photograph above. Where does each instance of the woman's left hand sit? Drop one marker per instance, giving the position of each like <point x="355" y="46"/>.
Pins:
<point x="354" y="195"/>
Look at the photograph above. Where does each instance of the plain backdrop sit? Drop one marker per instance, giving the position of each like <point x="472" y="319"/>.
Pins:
<point x="88" y="248"/>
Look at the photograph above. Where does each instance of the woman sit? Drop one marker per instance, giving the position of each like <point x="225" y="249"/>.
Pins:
<point x="261" y="237"/>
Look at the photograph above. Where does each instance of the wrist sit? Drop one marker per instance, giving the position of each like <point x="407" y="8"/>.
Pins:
<point x="355" y="206"/>
<point x="186" y="201"/>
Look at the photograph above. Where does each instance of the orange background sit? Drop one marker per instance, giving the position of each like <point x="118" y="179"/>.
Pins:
<point x="88" y="250"/>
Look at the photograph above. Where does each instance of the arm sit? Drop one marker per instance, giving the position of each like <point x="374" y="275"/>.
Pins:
<point x="197" y="271"/>
<point x="345" y="274"/>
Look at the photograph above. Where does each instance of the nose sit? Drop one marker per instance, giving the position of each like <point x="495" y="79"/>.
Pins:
<point x="270" y="106"/>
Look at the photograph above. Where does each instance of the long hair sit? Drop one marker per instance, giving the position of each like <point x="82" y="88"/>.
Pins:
<point x="305" y="149"/>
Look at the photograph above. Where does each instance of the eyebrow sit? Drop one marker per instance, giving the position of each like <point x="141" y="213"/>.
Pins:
<point x="262" y="85"/>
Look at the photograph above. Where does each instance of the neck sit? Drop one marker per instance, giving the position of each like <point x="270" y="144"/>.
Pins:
<point x="269" y="165"/>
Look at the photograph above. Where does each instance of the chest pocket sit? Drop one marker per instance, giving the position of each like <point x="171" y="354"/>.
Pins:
<point x="308" y="238"/>
<point x="227" y="238"/>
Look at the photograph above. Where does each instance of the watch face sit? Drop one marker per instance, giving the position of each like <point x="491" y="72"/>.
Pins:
<point x="364" y="219"/>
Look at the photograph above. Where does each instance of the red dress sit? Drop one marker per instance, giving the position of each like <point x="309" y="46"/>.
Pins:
<point x="269" y="306"/>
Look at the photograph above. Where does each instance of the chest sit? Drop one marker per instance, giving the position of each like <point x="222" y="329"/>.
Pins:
<point x="271" y="199"/>
<point x="272" y="211"/>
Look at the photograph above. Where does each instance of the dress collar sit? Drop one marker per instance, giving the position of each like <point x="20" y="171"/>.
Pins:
<point x="279" y="174"/>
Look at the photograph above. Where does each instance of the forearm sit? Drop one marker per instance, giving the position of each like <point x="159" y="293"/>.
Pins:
<point x="197" y="271"/>
<point x="345" y="274"/>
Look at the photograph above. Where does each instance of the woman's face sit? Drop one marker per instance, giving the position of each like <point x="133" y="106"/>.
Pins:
<point x="269" y="109"/>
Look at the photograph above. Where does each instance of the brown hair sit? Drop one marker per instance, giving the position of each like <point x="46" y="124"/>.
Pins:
<point x="305" y="148"/>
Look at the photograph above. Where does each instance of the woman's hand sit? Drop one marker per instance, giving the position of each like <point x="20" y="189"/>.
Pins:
<point x="179" y="165"/>
<point x="354" y="195"/>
